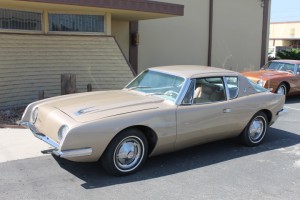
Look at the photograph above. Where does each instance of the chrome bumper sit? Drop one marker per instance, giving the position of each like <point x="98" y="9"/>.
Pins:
<point x="63" y="154"/>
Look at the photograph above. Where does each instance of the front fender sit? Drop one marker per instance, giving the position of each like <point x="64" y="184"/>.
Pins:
<point x="99" y="133"/>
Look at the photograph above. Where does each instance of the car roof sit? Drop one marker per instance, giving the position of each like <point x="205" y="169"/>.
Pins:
<point x="193" y="71"/>
<point x="288" y="61"/>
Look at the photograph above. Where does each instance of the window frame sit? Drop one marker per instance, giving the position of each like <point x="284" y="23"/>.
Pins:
<point x="193" y="81"/>
<point x="25" y="31"/>
<point x="297" y="70"/>
<point x="227" y="88"/>
<point x="47" y="24"/>
<point x="226" y="91"/>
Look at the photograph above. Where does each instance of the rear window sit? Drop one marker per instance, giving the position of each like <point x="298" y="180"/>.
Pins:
<point x="257" y="87"/>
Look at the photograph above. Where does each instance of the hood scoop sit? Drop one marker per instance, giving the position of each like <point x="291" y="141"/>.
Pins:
<point x="85" y="111"/>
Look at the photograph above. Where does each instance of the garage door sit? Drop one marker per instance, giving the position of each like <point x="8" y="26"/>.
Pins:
<point x="29" y="63"/>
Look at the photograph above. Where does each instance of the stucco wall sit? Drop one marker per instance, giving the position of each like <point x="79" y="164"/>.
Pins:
<point x="120" y="29"/>
<point x="177" y="40"/>
<point x="236" y="39"/>
<point x="285" y="30"/>
<point x="273" y="43"/>
<point x="237" y="34"/>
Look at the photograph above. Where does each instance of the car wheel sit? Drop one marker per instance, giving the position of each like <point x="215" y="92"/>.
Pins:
<point x="126" y="153"/>
<point x="255" y="131"/>
<point x="281" y="89"/>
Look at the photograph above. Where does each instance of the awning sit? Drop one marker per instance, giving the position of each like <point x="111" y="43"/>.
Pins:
<point x="120" y="9"/>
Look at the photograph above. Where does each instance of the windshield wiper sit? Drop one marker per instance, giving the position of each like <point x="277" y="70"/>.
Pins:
<point x="137" y="87"/>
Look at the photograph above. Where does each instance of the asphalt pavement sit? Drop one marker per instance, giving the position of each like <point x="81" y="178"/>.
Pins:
<point x="218" y="170"/>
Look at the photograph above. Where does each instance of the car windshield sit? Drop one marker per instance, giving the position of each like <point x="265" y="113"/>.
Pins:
<point x="279" y="66"/>
<point x="156" y="83"/>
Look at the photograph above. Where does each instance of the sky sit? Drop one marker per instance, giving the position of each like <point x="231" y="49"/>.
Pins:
<point x="285" y="10"/>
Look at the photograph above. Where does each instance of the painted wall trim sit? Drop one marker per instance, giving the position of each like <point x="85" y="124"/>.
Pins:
<point x="134" y="5"/>
<point x="130" y="66"/>
<point x="295" y="38"/>
<point x="287" y="22"/>
<point x="210" y="29"/>
<point x="133" y="46"/>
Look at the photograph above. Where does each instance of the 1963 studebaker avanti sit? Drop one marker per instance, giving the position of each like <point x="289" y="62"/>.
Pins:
<point x="164" y="109"/>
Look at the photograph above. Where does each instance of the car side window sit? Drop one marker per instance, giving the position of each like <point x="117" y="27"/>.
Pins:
<point x="209" y="90"/>
<point x="233" y="86"/>
<point x="289" y="68"/>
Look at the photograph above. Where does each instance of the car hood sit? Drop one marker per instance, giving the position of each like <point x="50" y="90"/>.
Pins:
<point x="97" y="105"/>
<point x="265" y="74"/>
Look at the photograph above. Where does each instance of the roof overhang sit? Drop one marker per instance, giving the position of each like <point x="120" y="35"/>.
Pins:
<point x="284" y="39"/>
<point x="119" y="9"/>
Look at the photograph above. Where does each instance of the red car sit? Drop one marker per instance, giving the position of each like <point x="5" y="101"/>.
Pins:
<point x="278" y="76"/>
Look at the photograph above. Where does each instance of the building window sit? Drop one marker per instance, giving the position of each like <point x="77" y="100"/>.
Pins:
<point x="20" y="20"/>
<point x="76" y="23"/>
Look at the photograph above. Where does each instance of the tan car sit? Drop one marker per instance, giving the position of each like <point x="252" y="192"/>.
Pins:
<point x="278" y="76"/>
<point x="162" y="110"/>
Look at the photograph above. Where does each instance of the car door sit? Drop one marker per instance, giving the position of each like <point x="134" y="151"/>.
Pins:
<point x="207" y="112"/>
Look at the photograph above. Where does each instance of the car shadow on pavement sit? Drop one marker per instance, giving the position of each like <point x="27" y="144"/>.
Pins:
<point x="197" y="157"/>
<point x="292" y="99"/>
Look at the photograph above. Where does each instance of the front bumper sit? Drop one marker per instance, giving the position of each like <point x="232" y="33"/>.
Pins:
<point x="63" y="154"/>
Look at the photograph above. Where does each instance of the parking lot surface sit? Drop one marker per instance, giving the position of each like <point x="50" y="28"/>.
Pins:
<point x="219" y="170"/>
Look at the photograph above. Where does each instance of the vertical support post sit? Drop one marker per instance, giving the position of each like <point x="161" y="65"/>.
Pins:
<point x="41" y="94"/>
<point x="108" y="23"/>
<point x="133" y="45"/>
<point x="210" y="30"/>
<point x="265" y="31"/>
<point x="89" y="87"/>
<point x="68" y="84"/>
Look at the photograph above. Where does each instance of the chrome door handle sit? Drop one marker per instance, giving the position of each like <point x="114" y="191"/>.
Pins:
<point x="227" y="110"/>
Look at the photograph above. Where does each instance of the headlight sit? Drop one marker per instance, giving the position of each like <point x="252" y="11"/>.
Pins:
<point x="261" y="83"/>
<point x="62" y="132"/>
<point x="34" y="115"/>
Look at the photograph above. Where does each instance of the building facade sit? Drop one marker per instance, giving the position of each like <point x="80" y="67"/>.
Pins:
<point x="107" y="42"/>
<point x="232" y="34"/>
<point x="42" y="39"/>
<point x="286" y="34"/>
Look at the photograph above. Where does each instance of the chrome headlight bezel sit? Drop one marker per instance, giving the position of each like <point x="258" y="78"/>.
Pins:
<point x="62" y="133"/>
<point x="34" y="115"/>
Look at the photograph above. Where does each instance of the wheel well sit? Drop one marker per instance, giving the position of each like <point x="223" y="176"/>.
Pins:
<point x="149" y="133"/>
<point x="269" y="115"/>
<point x="288" y="87"/>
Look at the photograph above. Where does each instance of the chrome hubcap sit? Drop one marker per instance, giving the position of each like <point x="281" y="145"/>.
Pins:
<point x="257" y="129"/>
<point x="281" y="90"/>
<point x="129" y="154"/>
